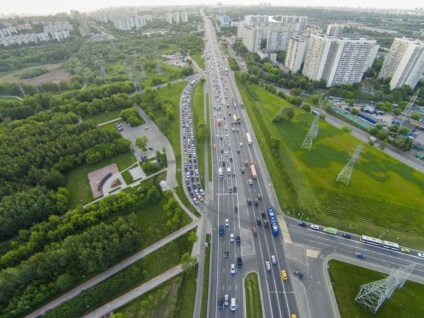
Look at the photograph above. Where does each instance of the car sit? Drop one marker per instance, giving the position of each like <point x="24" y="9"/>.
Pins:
<point x="226" y="302"/>
<point x="241" y="144"/>
<point x="234" y="189"/>
<point x="298" y="274"/>
<point x="258" y="221"/>
<point x="420" y="255"/>
<point x="151" y="148"/>
<point x="227" y="254"/>
<point x="245" y="163"/>
<point x="315" y="227"/>
<point x="263" y="214"/>
<point x="238" y="241"/>
<point x="266" y="224"/>
<point x="273" y="259"/>
<point x="242" y="170"/>
<point x="259" y="196"/>
<point x="235" y="209"/>
<point x="121" y="129"/>
<point x="214" y="146"/>
<point x="268" y="266"/>
<point x="230" y="190"/>
<point x="256" y="202"/>
<point x="283" y="274"/>
<point x="231" y="238"/>
<point x="250" y="181"/>
<point x="301" y="223"/>
<point x="254" y="231"/>
<point x="232" y="269"/>
<point x="293" y="316"/>
<point x="359" y="255"/>
<point x="345" y="235"/>
<point x="227" y="223"/>
<point x="249" y="202"/>
<point x="220" y="303"/>
<point x="238" y="150"/>
<point x="231" y="159"/>
<point x="147" y="127"/>
<point x="195" y="201"/>
<point x="405" y="250"/>
<point x="239" y="262"/>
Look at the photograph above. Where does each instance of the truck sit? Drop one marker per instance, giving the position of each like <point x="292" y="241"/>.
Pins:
<point x="249" y="139"/>
<point x="253" y="170"/>
<point x="192" y="82"/>
<point x="238" y="120"/>
<point x="220" y="173"/>
<point x="234" y="119"/>
<point x="219" y="121"/>
<point x="229" y="171"/>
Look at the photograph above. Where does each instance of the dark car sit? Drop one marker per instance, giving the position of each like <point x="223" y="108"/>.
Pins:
<point x="298" y="274"/>
<point x="239" y="262"/>
<point x="235" y="209"/>
<point x="227" y="254"/>
<point x="234" y="189"/>
<point x="238" y="241"/>
<point x="301" y="223"/>
<point x="360" y="255"/>
<point x="256" y="202"/>
<point x="223" y="163"/>
<point x="266" y="224"/>
<point x="220" y="303"/>
<point x="345" y="235"/>
<point x="230" y="190"/>
<point x="258" y="221"/>
<point x="249" y="202"/>
<point x="259" y="196"/>
<point x="263" y="214"/>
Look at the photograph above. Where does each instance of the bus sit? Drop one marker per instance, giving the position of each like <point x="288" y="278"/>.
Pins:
<point x="192" y="82"/>
<point x="330" y="230"/>
<point x="391" y="245"/>
<point x="371" y="240"/>
<point x="249" y="139"/>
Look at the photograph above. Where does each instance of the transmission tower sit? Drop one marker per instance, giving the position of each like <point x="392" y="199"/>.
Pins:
<point x="373" y="295"/>
<point x="158" y="67"/>
<point x="346" y="173"/>
<point x="313" y="131"/>
<point x="21" y="90"/>
<point x="410" y="104"/>
<point x="134" y="79"/>
<point x="137" y="61"/>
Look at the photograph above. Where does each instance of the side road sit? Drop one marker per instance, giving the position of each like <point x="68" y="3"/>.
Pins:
<point x="113" y="270"/>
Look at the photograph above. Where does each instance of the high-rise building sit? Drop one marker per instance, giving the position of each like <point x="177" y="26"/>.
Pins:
<point x="335" y="30"/>
<point x="338" y="60"/>
<point x="252" y="38"/>
<point x="240" y="29"/>
<point x="404" y="63"/>
<point x="294" y="54"/>
<point x="184" y="17"/>
<point x="168" y="17"/>
<point x="176" y="17"/>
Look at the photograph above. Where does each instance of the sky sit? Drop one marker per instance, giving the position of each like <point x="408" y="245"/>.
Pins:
<point x="54" y="6"/>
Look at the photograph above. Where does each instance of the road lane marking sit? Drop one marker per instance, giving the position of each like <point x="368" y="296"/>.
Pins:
<point x="284" y="229"/>
<point x="312" y="253"/>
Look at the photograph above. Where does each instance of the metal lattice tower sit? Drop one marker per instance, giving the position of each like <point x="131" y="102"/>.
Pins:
<point x="102" y="71"/>
<point x="159" y="70"/>
<point x="346" y="173"/>
<point x="313" y="131"/>
<point x="134" y="79"/>
<point x="21" y="90"/>
<point x="410" y="104"/>
<point x="373" y="295"/>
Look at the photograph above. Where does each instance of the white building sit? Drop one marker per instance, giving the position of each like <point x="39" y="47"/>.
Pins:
<point x="294" y="54"/>
<point x="255" y="19"/>
<point x="335" y="30"/>
<point x="339" y="60"/>
<point x="184" y="17"/>
<point x="240" y="29"/>
<point x="265" y="53"/>
<point x="168" y="17"/>
<point x="404" y="63"/>
<point x="176" y="17"/>
<point x="252" y="38"/>
<point x="128" y="23"/>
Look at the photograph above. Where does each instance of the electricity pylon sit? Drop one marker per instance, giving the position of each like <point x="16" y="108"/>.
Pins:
<point x="373" y="295"/>
<point x="313" y="131"/>
<point x="346" y="173"/>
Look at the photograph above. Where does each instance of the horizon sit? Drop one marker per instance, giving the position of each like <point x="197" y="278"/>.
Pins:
<point x="49" y="7"/>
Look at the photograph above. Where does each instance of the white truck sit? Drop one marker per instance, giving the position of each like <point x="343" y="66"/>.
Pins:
<point x="220" y="173"/>
<point x="228" y="170"/>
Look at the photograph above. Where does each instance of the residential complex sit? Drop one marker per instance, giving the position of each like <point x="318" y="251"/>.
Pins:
<point x="338" y="60"/>
<point x="404" y="63"/>
<point x="295" y="54"/>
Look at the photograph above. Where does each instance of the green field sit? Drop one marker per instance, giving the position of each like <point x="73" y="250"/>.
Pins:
<point x="382" y="194"/>
<point x="205" y="291"/>
<point x="253" y="296"/>
<point x="174" y="298"/>
<point x="103" y="117"/>
<point x="199" y="60"/>
<point x="405" y="302"/>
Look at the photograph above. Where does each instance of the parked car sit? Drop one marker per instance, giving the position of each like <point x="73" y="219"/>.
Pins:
<point x="298" y="274"/>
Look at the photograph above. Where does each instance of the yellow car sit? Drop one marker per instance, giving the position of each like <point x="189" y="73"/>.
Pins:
<point x="283" y="274"/>
<point x="214" y="146"/>
<point x="293" y="316"/>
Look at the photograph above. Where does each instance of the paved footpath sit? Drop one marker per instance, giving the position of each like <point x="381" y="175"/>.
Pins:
<point x="136" y="292"/>
<point x="113" y="270"/>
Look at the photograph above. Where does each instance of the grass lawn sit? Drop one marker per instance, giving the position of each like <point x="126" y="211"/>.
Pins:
<point x="199" y="60"/>
<point x="198" y="103"/>
<point x="174" y="298"/>
<point x="346" y="278"/>
<point x="103" y="117"/>
<point x="208" y="124"/>
<point x="168" y="72"/>
<point x="253" y="296"/>
<point x="205" y="291"/>
<point x="77" y="180"/>
<point x="9" y="99"/>
<point x="305" y="182"/>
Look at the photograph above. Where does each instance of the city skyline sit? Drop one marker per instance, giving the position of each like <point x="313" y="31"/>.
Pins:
<point x="40" y="7"/>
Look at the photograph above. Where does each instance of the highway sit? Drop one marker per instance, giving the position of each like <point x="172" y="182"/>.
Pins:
<point x="232" y="191"/>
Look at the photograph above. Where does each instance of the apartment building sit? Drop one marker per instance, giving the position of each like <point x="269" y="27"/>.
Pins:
<point x="404" y="63"/>
<point x="252" y="38"/>
<point x="295" y="54"/>
<point x="338" y="60"/>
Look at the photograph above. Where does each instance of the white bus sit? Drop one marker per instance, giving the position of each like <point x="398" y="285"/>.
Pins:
<point x="249" y="139"/>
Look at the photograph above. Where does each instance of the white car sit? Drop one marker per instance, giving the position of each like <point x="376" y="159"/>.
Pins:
<point x="250" y="181"/>
<point x="420" y="255"/>
<point x="232" y="269"/>
<point x="231" y="237"/>
<point x="227" y="223"/>
<point x="315" y="227"/>
<point x="225" y="128"/>
<point x="273" y="259"/>
<point x="241" y="144"/>
<point x="268" y="266"/>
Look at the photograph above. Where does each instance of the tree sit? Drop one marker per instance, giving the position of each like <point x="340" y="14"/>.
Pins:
<point x="383" y="144"/>
<point x="416" y="116"/>
<point x="346" y="128"/>
<point x="187" y="261"/>
<point x="192" y="237"/>
<point x="315" y="100"/>
<point x="306" y="107"/>
<point x="141" y="142"/>
<point x="354" y="111"/>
